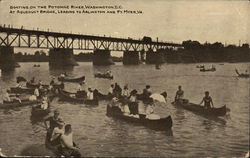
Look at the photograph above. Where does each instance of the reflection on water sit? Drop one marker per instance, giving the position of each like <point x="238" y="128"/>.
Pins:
<point x="192" y="135"/>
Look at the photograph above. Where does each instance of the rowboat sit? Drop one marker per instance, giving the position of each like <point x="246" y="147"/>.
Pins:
<point x="162" y="124"/>
<point x="100" y="75"/>
<point x="17" y="104"/>
<point x="66" y="79"/>
<point x="21" y="90"/>
<point x="215" y="112"/>
<point x="242" y="74"/>
<point x="71" y="97"/>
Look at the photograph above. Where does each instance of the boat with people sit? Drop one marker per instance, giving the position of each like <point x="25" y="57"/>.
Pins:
<point x="67" y="79"/>
<point x="104" y="75"/>
<point x="210" y="69"/>
<point x="215" y="112"/>
<point x="243" y="75"/>
<point x="71" y="97"/>
<point x="20" y="90"/>
<point x="159" y="124"/>
<point x="200" y="66"/>
<point x="14" y="104"/>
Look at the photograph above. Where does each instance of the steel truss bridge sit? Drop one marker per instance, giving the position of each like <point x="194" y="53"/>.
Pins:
<point x="23" y="38"/>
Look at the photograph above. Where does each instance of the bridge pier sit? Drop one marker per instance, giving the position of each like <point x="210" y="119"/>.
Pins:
<point x="61" y="57"/>
<point x="7" y="59"/>
<point x="131" y="58"/>
<point x="155" y="57"/>
<point x="102" y="57"/>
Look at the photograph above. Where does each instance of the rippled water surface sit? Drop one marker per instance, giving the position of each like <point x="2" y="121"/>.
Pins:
<point x="99" y="135"/>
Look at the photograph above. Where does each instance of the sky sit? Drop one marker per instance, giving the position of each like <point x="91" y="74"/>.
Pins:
<point x="226" y="21"/>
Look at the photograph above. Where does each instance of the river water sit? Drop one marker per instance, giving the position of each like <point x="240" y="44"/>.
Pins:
<point x="99" y="135"/>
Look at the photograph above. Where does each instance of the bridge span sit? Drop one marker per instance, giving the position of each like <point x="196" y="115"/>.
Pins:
<point x="61" y="45"/>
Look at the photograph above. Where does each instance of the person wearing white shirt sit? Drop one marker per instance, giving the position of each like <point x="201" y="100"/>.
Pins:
<point x="36" y="92"/>
<point x="90" y="94"/>
<point x="125" y="91"/>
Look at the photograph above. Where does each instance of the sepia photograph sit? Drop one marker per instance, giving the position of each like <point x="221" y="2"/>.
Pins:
<point x="124" y="78"/>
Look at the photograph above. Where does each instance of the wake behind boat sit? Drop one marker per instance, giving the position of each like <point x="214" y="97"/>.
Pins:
<point x="215" y="112"/>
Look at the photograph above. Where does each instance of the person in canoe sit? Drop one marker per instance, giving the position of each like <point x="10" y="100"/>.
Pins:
<point x="133" y="103"/>
<point x="8" y="99"/>
<point x="90" y="94"/>
<point x="32" y="81"/>
<point x="57" y="133"/>
<point x="109" y="73"/>
<point x="53" y="122"/>
<point x="179" y="94"/>
<point x="147" y="91"/>
<point x="80" y="92"/>
<point x="36" y="92"/>
<point x="68" y="147"/>
<point x="207" y="100"/>
<point x="117" y="90"/>
<point x="45" y="102"/>
<point x="111" y="90"/>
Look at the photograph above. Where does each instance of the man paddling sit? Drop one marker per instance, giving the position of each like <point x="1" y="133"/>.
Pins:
<point x="179" y="94"/>
<point x="53" y="122"/>
<point x="207" y="101"/>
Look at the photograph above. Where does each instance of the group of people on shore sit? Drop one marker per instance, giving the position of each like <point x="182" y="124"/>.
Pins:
<point x="60" y="135"/>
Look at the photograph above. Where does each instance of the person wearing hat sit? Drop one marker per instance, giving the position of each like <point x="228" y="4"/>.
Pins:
<point x="207" y="100"/>
<point x="53" y="122"/>
<point x="57" y="132"/>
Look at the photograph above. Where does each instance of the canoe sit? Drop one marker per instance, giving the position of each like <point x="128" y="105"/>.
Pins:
<point x="99" y="75"/>
<point x="203" y="69"/>
<point x="162" y="124"/>
<point x="241" y="75"/>
<point x="17" y="104"/>
<point x="32" y="85"/>
<point x="215" y="112"/>
<point x="66" y="79"/>
<point x="38" y="112"/>
<point x="22" y="90"/>
<point x="70" y="97"/>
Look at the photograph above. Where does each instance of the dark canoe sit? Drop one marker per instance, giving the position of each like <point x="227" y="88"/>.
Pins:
<point x="241" y="74"/>
<point x="17" y="104"/>
<point x="70" y="97"/>
<point x="162" y="124"/>
<point x="215" y="112"/>
<point x="38" y="112"/>
<point x="22" y="90"/>
<point x="32" y="85"/>
<point x="99" y="75"/>
<point x="66" y="79"/>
